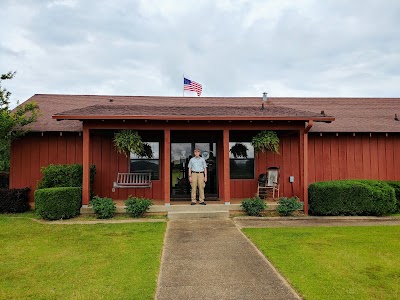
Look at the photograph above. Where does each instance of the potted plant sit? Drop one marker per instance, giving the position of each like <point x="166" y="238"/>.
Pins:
<point x="129" y="141"/>
<point x="239" y="150"/>
<point x="266" y="141"/>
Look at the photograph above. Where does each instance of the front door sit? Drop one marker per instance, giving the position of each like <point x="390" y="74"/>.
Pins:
<point x="181" y="153"/>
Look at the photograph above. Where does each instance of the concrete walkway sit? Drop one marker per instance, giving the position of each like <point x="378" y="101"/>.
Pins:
<point x="212" y="259"/>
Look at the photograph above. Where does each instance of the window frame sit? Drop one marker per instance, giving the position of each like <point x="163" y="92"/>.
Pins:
<point x="146" y="159"/>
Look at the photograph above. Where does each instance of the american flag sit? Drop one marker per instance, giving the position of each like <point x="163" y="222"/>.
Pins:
<point x="190" y="85"/>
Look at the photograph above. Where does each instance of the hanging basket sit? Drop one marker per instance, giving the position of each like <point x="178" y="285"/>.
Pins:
<point x="266" y="141"/>
<point x="129" y="141"/>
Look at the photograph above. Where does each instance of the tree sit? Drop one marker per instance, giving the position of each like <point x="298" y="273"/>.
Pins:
<point x="13" y="123"/>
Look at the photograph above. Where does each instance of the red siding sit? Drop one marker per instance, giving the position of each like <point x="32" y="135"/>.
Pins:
<point x="357" y="157"/>
<point x="331" y="157"/>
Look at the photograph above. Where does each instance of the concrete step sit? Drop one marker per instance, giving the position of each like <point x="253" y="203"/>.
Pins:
<point x="177" y="215"/>
<point x="198" y="207"/>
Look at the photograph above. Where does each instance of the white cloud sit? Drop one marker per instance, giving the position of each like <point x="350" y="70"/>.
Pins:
<point x="233" y="47"/>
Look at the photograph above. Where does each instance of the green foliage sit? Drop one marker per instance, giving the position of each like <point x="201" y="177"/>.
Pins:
<point x="239" y="150"/>
<point x="4" y="180"/>
<point x="351" y="197"/>
<point x="286" y="206"/>
<point x="13" y="124"/>
<point x="254" y="206"/>
<point x="137" y="206"/>
<point x="104" y="208"/>
<point x="14" y="200"/>
<point x="266" y="141"/>
<point x="69" y="175"/>
<point x="127" y="141"/>
<point x="396" y="186"/>
<point x="58" y="203"/>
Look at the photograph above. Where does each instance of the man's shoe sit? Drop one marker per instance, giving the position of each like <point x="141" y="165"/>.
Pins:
<point x="193" y="203"/>
<point x="203" y="203"/>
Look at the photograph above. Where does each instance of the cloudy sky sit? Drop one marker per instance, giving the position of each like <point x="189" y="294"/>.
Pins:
<point x="233" y="48"/>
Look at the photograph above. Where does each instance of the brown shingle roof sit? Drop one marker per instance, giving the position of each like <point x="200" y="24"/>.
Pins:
<point x="187" y="112"/>
<point x="351" y="114"/>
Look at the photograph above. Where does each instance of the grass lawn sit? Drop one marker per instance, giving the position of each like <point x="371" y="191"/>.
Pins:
<point x="335" y="262"/>
<point x="96" y="261"/>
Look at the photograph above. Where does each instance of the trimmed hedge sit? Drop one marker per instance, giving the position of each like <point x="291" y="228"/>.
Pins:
<point x="396" y="186"/>
<point x="14" y="200"/>
<point x="69" y="175"/>
<point x="4" y="180"/>
<point x="351" y="197"/>
<point x="58" y="203"/>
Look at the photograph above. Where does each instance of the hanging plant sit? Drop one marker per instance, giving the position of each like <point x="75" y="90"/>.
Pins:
<point x="128" y="141"/>
<point x="239" y="150"/>
<point x="147" y="152"/>
<point x="266" y="141"/>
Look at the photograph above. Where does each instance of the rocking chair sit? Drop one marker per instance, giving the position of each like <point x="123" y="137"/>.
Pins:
<point x="268" y="184"/>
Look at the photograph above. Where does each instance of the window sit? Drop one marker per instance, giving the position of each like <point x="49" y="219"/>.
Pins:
<point x="139" y="163"/>
<point x="241" y="167"/>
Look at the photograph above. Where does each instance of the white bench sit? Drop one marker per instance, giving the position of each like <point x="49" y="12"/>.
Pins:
<point x="133" y="180"/>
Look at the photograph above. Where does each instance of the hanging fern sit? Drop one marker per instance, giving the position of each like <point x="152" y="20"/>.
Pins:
<point x="239" y="150"/>
<point x="128" y="141"/>
<point x="266" y="141"/>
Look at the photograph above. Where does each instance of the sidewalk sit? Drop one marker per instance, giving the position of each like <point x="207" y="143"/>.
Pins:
<point x="212" y="259"/>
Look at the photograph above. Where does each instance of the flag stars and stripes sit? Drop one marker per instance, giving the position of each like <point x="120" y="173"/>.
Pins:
<point x="190" y="85"/>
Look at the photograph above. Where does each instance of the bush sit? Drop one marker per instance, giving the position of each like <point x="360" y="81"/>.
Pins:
<point x="14" y="200"/>
<point x="396" y="186"/>
<point x="58" y="203"/>
<point x="137" y="206"/>
<point x="104" y="208"/>
<point x="254" y="206"/>
<point x="4" y="180"/>
<point x="351" y="197"/>
<point x="65" y="176"/>
<point x="286" y="206"/>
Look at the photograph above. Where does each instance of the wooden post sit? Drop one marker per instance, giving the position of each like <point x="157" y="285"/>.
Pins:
<point x="226" y="173"/>
<point x="167" y="167"/>
<point x="304" y="167"/>
<point x="86" y="166"/>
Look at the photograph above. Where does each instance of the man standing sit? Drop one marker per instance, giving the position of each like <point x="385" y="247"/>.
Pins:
<point x="197" y="176"/>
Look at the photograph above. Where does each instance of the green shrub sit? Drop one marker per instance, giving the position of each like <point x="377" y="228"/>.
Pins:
<point x="351" y="197"/>
<point x="58" y="203"/>
<point x="396" y="186"/>
<point x="4" y="180"/>
<point x="254" y="206"/>
<point x="136" y="207"/>
<point x="104" y="208"/>
<point x="286" y="206"/>
<point x="69" y="175"/>
<point x="14" y="200"/>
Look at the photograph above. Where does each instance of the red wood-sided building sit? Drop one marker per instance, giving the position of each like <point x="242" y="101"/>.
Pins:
<point x="320" y="139"/>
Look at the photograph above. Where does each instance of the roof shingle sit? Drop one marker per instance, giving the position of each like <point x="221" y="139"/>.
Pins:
<point x="351" y="114"/>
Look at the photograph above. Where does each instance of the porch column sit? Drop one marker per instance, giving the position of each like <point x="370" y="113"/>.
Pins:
<point x="304" y="165"/>
<point x="226" y="172"/>
<point x="166" y="167"/>
<point x="86" y="166"/>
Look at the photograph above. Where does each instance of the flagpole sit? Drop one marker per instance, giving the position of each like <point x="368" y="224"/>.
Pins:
<point x="183" y="92"/>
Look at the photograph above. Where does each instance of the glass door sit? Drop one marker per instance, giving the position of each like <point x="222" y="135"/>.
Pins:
<point x="181" y="153"/>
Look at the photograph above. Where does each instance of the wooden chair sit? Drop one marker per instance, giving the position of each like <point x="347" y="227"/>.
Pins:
<point x="271" y="184"/>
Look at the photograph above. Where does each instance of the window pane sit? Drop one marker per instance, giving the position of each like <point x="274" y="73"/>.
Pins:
<point x="242" y="168"/>
<point x="138" y="165"/>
